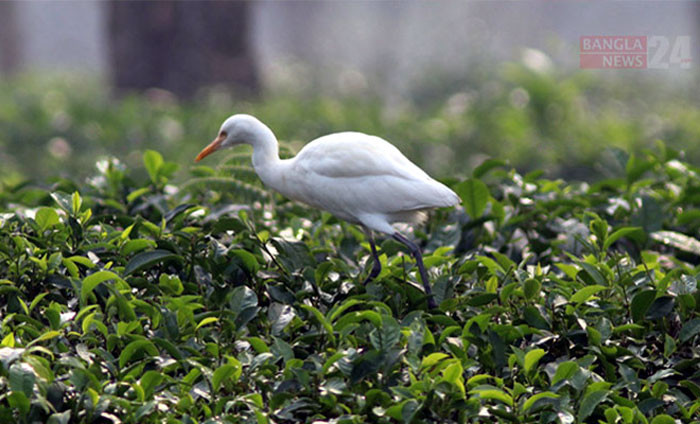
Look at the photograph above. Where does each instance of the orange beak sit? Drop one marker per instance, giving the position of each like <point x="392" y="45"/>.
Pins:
<point x="211" y="148"/>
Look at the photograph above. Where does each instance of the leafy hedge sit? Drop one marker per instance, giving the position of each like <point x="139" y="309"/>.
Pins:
<point x="128" y="300"/>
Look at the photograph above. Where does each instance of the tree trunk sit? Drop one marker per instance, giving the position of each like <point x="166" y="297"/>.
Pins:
<point x="9" y="38"/>
<point x="180" y="46"/>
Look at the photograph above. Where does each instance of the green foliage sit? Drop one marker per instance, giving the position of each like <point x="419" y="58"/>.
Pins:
<point x="555" y="121"/>
<point x="475" y="196"/>
<point x="137" y="300"/>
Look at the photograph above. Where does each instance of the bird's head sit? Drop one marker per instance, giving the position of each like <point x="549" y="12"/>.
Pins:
<point x="237" y="129"/>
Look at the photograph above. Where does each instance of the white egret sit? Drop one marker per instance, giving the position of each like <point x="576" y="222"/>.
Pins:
<point x="357" y="177"/>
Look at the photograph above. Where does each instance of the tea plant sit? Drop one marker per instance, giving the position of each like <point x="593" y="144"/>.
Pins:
<point x="130" y="299"/>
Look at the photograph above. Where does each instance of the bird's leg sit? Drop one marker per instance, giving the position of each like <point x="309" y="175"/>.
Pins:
<point x="377" y="266"/>
<point x="415" y="251"/>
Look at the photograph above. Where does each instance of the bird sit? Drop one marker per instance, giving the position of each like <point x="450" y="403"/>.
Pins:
<point x="362" y="179"/>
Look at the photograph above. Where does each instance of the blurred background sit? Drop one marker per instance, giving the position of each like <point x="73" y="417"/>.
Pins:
<point x="449" y="83"/>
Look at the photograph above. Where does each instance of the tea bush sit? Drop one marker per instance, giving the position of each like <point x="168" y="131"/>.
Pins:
<point x="127" y="298"/>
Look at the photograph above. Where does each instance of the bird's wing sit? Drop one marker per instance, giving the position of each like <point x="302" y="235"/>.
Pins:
<point x="352" y="154"/>
<point x="354" y="173"/>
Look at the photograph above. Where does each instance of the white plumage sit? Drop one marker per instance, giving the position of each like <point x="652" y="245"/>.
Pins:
<point x="357" y="177"/>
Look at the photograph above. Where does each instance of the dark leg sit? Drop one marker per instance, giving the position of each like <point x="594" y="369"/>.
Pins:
<point x="415" y="251"/>
<point x="377" y="266"/>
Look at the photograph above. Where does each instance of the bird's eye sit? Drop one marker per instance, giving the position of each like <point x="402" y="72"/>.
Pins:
<point x="222" y="134"/>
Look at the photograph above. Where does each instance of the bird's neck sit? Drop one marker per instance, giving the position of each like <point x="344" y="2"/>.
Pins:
<point x="265" y="148"/>
<point x="266" y="159"/>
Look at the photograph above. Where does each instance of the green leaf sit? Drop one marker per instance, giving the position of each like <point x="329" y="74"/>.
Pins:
<point x="243" y="299"/>
<point x="453" y="374"/>
<point x="168" y="169"/>
<point x="532" y="358"/>
<point x="396" y="411"/>
<point x="249" y="262"/>
<point x="46" y="218"/>
<point x="144" y="410"/>
<point x="332" y="360"/>
<point x="92" y="281"/>
<point x="565" y="370"/>
<point x="531" y="288"/>
<point x="617" y="234"/>
<point x="627" y="327"/>
<point x="22" y="379"/>
<point x="46" y="336"/>
<point x="177" y="210"/>
<point x="386" y="336"/>
<point x="8" y="340"/>
<point x="191" y="376"/>
<point x="365" y="365"/>
<point x="635" y="167"/>
<point x="493" y="394"/>
<point x="63" y="200"/>
<point x="60" y="417"/>
<point x="589" y="402"/>
<point x="37" y="300"/>
<point x="534" y="398"/>
<point x="137" y="346"/>
<point x="82" y="260"/>
<point x="593" y="272"/>
<point x="408" y="410"/>
<point x="321" y="319"/>
<point x="71" y="267"/>
<point x="487" y="166"/>
<point x="20" y="401"/>
<point x="659" y="389"/>
<point x="206" y="321"/>
<point x="148" y="259"/>
<point x="534" y="318"/>
<point x="686" y="217"/>
<point x="171" y="284"/>
<point x="482" y="299"/>
<point x="663" y="419"/>
<point x="599" y="228"/>
<point x="230" y="371"/>
<point x="660" y="307"/>
<point x="677" y="240"/>
<point x="585" y="293"/>
<point x="669" y="345"/>
<point x="475" y="196"/>
<point x="491" y="285"/>
<point x="150" y="380"/>
<point x="689" y="330"/>
<point x="692" y="387"/>
<point x="504" y="261"/>
<point x="258" y="344"/>
<point x="641" y="303"/>
<point x="152" y="160"/>
<point x="475" y="380"/>
<point x="76" y="203"/>
<point x="337" y="310"/>
<point x="432" y="359"/>
<point x="136" y="245"/>
<point x="650" y="216"/>
<point x="137" y="193"/>
<point x="568" y="269"/>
